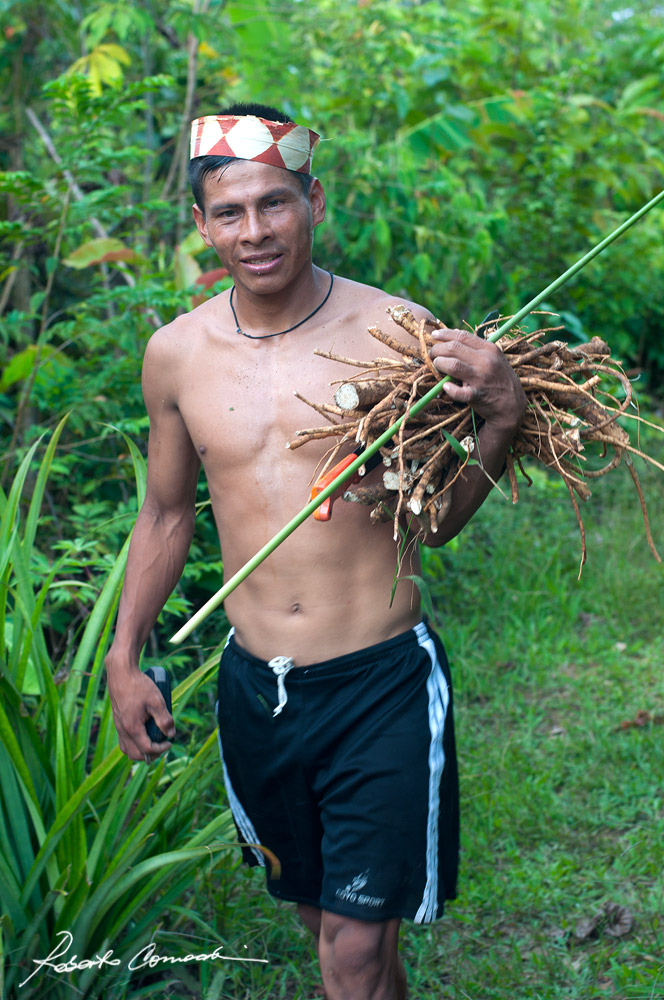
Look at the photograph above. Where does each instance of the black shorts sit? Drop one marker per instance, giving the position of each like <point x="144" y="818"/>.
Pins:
<point x="346" y="771"/>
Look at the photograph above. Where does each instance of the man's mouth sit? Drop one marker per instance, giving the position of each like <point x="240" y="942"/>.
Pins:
<point x="261" y="263"/>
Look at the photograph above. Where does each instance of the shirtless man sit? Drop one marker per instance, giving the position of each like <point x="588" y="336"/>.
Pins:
<point x="340" y="762"/>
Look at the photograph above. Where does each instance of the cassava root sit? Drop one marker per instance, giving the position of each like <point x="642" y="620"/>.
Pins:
<point x="571" y="406"/>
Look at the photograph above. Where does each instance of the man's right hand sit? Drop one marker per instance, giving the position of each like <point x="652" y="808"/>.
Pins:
<point x="134" y="698"/>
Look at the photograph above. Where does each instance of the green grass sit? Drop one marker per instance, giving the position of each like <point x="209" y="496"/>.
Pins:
<point x="562" y="806"/>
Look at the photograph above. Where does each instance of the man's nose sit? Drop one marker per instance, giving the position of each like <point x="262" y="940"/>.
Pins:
<point x="255" y="227"/>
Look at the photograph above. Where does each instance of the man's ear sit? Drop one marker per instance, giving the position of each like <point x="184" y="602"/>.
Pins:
<point x="201" y="224"/>
<point x="317" y="201"/>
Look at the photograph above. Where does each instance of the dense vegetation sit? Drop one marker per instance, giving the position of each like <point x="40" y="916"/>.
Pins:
<point x="472" y="152"/>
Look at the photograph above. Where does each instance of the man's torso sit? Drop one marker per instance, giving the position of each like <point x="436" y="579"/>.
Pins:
<point x="326" y="590"/>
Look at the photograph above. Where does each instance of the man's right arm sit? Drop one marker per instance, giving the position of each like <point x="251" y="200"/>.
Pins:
<point x="157" y="555"/>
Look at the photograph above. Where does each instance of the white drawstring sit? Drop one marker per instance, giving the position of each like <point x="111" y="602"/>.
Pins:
<point x="281" y="665"/>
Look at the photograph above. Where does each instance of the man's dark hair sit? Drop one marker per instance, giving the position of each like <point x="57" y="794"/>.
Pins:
<point x="199" y="168"/>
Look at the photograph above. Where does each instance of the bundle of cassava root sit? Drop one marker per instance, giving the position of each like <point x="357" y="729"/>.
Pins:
<point x="570" y="405"/>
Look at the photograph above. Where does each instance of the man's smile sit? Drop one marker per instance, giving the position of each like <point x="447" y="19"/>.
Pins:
<point x="261" y="263"/>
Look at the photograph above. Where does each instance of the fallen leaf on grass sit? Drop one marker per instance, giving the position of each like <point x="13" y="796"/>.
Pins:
<point x="604" y="983"/>
<point x="620" y="920"/>
<point x="642" y="718"/>
<point x="587" y="927"/>
<point x="616" y="920"/>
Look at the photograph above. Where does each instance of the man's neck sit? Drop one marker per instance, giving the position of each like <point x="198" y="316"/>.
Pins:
<point x="265" y="314"/>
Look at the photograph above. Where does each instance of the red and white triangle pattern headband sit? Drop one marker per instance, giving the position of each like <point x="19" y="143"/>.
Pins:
<point x="281" y="144"/>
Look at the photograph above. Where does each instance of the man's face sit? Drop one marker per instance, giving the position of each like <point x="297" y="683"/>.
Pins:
<point x="260" y="223"/>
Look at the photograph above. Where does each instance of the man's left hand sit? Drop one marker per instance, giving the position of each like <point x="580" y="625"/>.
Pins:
<point x="483" y="377"/>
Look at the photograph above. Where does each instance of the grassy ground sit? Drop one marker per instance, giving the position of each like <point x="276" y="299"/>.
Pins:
<point x="563" y="795"/>
<point x="562" y="771"/>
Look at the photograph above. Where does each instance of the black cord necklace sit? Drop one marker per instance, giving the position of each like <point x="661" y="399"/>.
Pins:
<point x="264" y="336"/>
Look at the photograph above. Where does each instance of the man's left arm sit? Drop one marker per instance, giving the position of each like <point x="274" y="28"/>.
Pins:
<point x="481" y="376"/>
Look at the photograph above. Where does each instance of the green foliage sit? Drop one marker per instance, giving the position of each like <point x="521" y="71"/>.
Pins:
<point x="559" y="708"/>
<point x="483" y="150"/>
<point x="472" y="152"/>
<point x="90" y="842"/>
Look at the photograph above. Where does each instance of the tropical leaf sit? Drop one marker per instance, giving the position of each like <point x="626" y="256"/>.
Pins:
<point x="101" y="251"/>
<point x="90" y="842"/>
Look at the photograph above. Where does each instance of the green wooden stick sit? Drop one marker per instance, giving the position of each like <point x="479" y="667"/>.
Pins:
<point x="289" y="528"/>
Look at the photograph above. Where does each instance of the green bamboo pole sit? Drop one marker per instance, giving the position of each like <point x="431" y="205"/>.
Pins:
<point x="289" y="528"/>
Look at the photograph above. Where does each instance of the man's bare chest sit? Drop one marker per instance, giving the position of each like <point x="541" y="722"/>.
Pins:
<point x="243" y="410"/>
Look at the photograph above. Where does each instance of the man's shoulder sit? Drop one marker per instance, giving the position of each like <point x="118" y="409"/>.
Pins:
<point x="182" y="333"/>
<point x="369" y="300"/>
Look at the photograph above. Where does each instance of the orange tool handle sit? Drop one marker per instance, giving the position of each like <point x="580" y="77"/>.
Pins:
<point x="324" y="512"/>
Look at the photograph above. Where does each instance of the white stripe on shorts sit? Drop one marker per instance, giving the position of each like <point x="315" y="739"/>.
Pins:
<point x="244" y="824"/>
<point x="439" y="699"/>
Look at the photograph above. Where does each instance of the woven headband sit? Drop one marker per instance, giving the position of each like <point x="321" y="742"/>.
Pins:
<point x="281" y="144"/>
